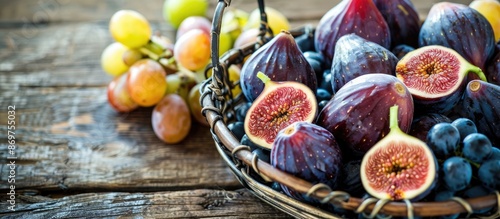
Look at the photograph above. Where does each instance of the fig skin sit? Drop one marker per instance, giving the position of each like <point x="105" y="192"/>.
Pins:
<point x="460" y="28"/>
<point x="493" y="67"/>
<point x="309" y="152"/>
<point x="412" y="162"/>
<point x="436" y="77"/>
<point x="355" y="56"/>
<point x="481" y="104"/>
<point x="351" y="16"/>
<point x="281" y="60"/>
<point x="403" y="21"/>
<point x="357" y="113"/>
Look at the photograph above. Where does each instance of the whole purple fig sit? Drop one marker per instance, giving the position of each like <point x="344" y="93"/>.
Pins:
<point x="309" y="152"/>
<point x="493" y="67"/>
<point x="356" y="56"/>
<point x="351" y="16"/>
<point x="357" y="113"/>
<point x="460" y="28"/>
<point x="281" y="60"/>
<point x="402" y="18"/>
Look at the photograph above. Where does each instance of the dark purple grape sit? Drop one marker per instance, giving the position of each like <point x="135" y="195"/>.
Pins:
<point x="465" y="127"/>
<point x="477" y="191"/>
<point x="262" y="154"/>
<point x="457" y="173"/>
<point x="316" y="65"/>
<point x="489" y="174"/>
<point x="315" y="55"/>
<point x="495" y="154"/>
<point x="401" y="50"/>
<point x="421" y="124"/>
<point x="443" y="139"/>
<point x="477" y="147"/>
<point x="241" y="111"/>
<point x="445" y="195"/>
<point x="305" y="42"/>
<point x="322" y="105"/>
<point x="322" y="94"/>
<point x="237" y="128"/>
<point x="246" y="141"/>
<point x="326" y="81"/>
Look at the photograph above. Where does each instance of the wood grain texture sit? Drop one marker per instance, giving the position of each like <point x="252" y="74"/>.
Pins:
<point x="77" y="156"/>
<point x="70" y="138"/>
<point x="200" y="203"/>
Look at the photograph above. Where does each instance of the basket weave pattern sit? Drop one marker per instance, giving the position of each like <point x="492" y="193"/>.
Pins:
<point x="219" y="106"/>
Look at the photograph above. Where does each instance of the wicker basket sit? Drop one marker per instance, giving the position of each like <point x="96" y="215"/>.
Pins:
<point x="219" y="106"/>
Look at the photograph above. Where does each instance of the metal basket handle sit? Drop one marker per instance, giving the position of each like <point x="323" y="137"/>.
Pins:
<point x="215" y="37"/>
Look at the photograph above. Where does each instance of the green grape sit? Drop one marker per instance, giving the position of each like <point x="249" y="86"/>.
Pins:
<point x="130" y="28"/>
<point x="111" y="59"/>
<point x="193" y="101"/>
<point x="171" y="119"/>
<point x="146" y="82"/>
<point x="277" y="21"/>
<point x="180" y="83"/>
<point x="118" y="96"/>
<point x="131" y="56"/>
<point x="175" y="11"/>
<point x="192" y="50"/>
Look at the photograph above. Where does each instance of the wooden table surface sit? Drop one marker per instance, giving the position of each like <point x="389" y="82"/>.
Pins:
<point x="77" y="157"/>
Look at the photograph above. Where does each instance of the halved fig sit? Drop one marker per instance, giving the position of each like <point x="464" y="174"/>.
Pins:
<point x="399" y="166"/>
<point x="436" y="77"/>
<point x="279" y="105"/>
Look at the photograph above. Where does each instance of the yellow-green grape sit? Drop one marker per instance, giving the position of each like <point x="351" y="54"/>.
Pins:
<point x="131" y="56"/>
<point x="130" y="28"/>
<point x="233" y="21"/>
<point x="275" y="19"/>
<point x="175" y="11"/>
<point x="225" y="43"/>
<point x="112" y="61"/>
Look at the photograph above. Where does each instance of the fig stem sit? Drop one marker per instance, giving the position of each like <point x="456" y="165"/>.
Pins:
<point x="393" y="118"/>
<point x="476" y="70"/>
<point x="263" y="77"/>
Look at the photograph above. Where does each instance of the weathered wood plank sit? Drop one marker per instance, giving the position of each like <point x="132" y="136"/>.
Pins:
<point x="72" y="139"/>
<point x="200" y="203"/>
<point x="56" y="55"/>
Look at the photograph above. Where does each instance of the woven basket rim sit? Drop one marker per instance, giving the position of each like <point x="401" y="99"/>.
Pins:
<point x="240" y="159"/>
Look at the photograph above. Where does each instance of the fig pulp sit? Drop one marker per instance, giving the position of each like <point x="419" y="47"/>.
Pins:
<point x="357" y="113"/>
<point x="355" y="56"/>
<point x="481" y="104"/>
<point x="351" y="16"/>
<point x="435" y="76"/>
<point x="403" y="21"/>
<point x="399" y="166"/>
<point x="281" y="60"/>
<point x="460" y="28"/>
<point x="309" y="152"/>
<point x="279" y="105"/>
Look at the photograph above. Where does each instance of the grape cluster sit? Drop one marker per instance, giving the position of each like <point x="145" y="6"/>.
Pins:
<point x="467" y="159"/>
<point x="153" y="70"/>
